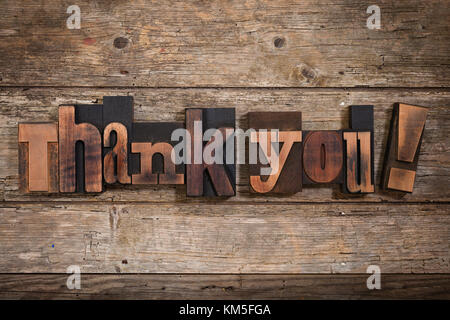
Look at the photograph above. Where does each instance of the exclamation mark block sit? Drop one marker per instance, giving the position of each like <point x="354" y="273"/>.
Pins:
<point x="402" y="154"/>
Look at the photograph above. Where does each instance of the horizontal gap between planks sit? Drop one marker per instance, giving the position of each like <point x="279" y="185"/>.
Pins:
<point x="215" y="202"/>
<point x="324" y="89"/>
<point x="222" y="274"/>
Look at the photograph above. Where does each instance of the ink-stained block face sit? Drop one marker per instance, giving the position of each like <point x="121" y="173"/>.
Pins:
<point x="117" y="118"/>
<point x="287" y="177"/>
<point x="359" y="151"/>
<point x="323" y="157"/>
<point x="403" y="148"/>
<point x="151" y="158"/>
<point x="38" y="157"/>
<point x="211" y="179"/>
<point x="80" y="149"/>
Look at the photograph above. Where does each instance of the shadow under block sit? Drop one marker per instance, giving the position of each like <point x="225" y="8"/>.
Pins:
<point x="151" y="158"/>
<point x="288" y="178"/>
<point x="38" y="157"/>
<point x="323" y="158"/>
<point x="80" y="149"/>
<point x="213" y="179"/>
<point x="403" y="148"/>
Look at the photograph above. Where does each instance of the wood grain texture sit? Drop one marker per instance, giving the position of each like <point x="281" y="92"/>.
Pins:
<point x="224" y="287"/>
<point x="210" y="179"/>
<point x="224" y="238"/>
<point x="115" y="162"/>
<point x="361" y="119"/>
<point x="288" y="177"/>
<point x="69" y="134"/>
<point x="41" y="158"/>
<point x="252" y="43"/>
<point x="118" y="109"/>
<point x="323" y="157"/>
<point x="358" y="161"/>
<point x="403" y="147"/>
<point x="322" y="109"/>
<point x="154" y="163"/>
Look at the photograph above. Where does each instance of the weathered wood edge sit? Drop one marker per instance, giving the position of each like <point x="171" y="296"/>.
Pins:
<point x="211" y="238"/>
<point x="224" y="286"/>
<point x="178" y="44"/>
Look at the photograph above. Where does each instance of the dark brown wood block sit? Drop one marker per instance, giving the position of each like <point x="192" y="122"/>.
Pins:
<point x="152" y="154"/>
<point x="322" y="157"/>
<point x="213" y="179"/>
<point x="288" y="177"/>
<point x="38" y="157"/>
<point x="403" y="148"/>
<point x="360" y="154"/>
<point x="88" y="134"/>
<point x="115" y="162"/>
<point x="23" y="167"/>
<point x="118" y="109"/>
<point x="91" y="114"/>
<point x="146" y="176"/>
<point x="358" y="162"/>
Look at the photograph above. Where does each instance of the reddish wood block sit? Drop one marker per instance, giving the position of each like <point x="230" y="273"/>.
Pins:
<point x="288" y="178"/>
<point x="214" y="179"/>
<point x="359" y="166"/>
<point x="152" y="154"/>
<point x="89" y="135"/>
<point x="38" y="157"/>
<point x="322" y="157"/>
<point x="403" y="148"/>
<point x="115" y="162"/>
<point x="401" y="179"/>
<point x="146" y="176"/>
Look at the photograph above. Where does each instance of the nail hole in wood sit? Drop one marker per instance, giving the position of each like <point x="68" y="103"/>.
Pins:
<point x="279" y="42"/>
<point x="120" y="42"/>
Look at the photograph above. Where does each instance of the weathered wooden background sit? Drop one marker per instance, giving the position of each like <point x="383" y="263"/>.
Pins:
<point x="317" y="57"/>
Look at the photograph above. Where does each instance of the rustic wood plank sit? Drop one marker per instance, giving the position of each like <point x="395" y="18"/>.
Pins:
<point x="252" y="43"/>
<point x="322" y="109"/>
<point x="220" y="286"/>
<point x="224" y="238"/>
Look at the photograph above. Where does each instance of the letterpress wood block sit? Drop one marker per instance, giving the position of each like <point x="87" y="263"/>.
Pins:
<point x="117" y="119"/>
<point x="151" y="159"/>
<point x="359" y="151"/>
<point x="38" y="157"/>
<point x="210" y="179"/>
<point x="323" y="157"/>
<point x="288" y="178"/>
<point x="403" y="148"/>
<point x="90" y="114"/>
<point x="80" y="148"/>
